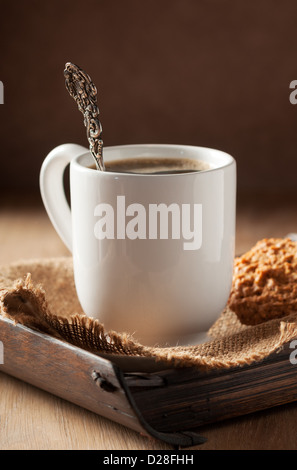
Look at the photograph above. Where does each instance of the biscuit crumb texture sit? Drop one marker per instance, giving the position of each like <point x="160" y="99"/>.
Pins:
<point x="265" y="281"/>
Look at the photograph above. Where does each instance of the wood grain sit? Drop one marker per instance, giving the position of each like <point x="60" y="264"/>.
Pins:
<point x="34" y="419"/>
<point x="189" y="398"/>
<point x="80" y="377"/>
<point x="31" y="419"/>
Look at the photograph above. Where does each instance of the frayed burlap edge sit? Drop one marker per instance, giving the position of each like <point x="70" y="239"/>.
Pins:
<point x="232" y="343"/>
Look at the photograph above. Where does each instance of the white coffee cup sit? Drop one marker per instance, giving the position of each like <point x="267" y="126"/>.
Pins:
<point x="152" y="254"/>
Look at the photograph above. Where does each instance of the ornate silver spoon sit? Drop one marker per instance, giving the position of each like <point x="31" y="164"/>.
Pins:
<point x="84" y="92"/>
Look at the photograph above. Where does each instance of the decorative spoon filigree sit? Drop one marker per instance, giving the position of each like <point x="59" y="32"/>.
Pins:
<point x="84" y="92"/>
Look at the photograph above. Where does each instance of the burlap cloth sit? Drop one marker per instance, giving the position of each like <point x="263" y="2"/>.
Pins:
<point x="41" y="295"/>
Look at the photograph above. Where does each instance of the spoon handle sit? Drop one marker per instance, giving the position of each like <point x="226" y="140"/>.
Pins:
<point x="84" y="92"/>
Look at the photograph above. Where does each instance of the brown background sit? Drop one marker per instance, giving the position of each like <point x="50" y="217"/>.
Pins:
<point x="213" y="73"/>
<point x="204" y="72"/>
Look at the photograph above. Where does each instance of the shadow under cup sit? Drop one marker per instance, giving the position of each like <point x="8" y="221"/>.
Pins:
<point x="152" y="254"/>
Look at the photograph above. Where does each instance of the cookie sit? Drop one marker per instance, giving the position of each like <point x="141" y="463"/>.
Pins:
<point x="265" y="281"/>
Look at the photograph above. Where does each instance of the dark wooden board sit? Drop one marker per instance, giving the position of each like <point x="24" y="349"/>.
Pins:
<point x="148" y="397"/>
<point x="188" y="398"/>
<point x="78" y="376"/>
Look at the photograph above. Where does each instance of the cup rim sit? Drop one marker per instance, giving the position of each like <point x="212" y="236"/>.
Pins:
<point x="225" y="159"/>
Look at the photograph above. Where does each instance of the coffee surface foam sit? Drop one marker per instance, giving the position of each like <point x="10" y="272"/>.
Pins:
<point x="150" y="165"/>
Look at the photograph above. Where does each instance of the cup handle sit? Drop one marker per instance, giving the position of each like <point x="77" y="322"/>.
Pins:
<point x="52" y="188"/>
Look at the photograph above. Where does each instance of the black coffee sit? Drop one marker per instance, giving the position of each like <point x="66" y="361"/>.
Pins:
<point x="153" y="166"/>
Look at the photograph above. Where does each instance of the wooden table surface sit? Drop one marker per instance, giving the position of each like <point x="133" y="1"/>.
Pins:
<point x="31" y="419"/>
